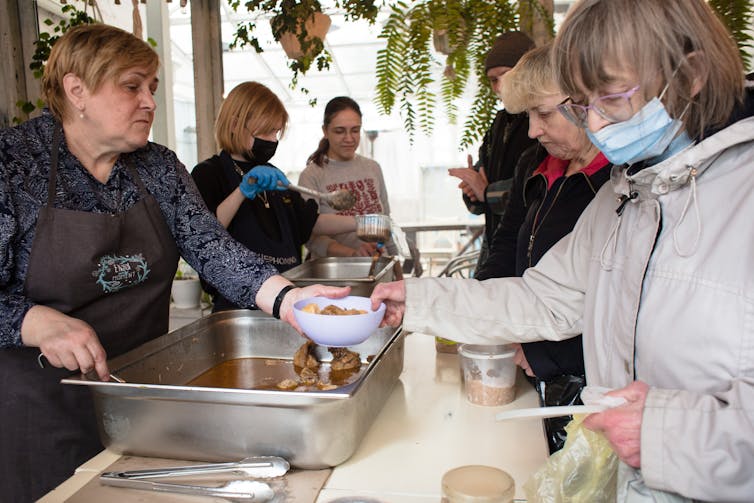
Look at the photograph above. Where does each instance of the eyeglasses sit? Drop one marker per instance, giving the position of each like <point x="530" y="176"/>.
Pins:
<point x="611" y="107"/>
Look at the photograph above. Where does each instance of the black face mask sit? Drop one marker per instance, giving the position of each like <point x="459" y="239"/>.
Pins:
<point x="262" y="150"/>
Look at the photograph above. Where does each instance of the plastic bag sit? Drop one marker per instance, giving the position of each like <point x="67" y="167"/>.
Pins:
<point x="583" y="471"/>
<point x="558" y="391"/>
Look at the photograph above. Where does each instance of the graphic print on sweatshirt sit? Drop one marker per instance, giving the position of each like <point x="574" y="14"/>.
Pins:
<point x="366" y="194"/>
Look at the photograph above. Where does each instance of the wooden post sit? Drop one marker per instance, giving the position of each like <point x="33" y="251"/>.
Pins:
<point x="18" y="31"/>
<point x="158" y="28"/>
<point x="208" y="71"/>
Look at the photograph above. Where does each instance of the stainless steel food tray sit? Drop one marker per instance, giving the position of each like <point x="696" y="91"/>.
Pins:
<point x="344" y="271"/>
<point x="156" y="414"/>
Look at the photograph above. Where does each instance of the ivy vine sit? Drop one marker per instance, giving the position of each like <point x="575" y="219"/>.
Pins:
<point x="42" y="47"/>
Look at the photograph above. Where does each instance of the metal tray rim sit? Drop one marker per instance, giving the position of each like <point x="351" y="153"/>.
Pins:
<point x="382" y="272"/>
<point x="214" y="394"/>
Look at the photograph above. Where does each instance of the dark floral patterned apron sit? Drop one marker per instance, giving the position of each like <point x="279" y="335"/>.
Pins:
<point x="113" y="271"/>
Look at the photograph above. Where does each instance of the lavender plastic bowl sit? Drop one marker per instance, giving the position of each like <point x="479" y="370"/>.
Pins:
<point x="339" y="331"/>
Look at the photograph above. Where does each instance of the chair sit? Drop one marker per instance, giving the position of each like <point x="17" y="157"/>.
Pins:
<point x="461" y="266"/>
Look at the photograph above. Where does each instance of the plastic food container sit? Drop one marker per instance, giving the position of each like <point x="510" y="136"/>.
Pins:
<point x="373" y="228"/>
<point x="477" y="484"/>
<point x="489" y="373"/>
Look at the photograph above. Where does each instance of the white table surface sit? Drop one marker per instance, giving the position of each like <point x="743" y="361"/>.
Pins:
<point x="425" y="428"/>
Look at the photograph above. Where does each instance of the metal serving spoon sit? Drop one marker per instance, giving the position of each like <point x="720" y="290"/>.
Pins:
<point x="340" y="199"/>
<point x="89" y="376"/>
<point x="92" y="376"/>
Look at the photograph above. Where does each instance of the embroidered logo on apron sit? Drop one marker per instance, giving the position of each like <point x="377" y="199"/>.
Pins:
<point x="116" y="273"/>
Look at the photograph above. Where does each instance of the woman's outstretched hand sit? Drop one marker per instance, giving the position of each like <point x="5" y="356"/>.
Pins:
<point x="293" y="296"/>
<point x="394" y="296"/>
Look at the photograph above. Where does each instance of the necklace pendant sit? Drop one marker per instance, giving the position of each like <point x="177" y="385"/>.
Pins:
<point x="265" y="200"/>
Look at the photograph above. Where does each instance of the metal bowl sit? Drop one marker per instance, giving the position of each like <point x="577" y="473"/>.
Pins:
<point x="373" y="228"/>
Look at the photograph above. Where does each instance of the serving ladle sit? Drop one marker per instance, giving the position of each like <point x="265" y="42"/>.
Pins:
<point x="340" y="199"/>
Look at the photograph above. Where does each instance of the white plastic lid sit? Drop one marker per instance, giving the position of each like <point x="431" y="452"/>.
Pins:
<point x="477" y="484"/>
<point x="482" y="352"/>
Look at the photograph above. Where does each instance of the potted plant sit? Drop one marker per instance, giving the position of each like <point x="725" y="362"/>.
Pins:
<point x="71" y="16"/>
<point x="464" y="30"/>
<point x="42" y="47"/>
<point x="316" y="27"/>
<point x="300" y="26"/>
<point x="186" y="290"/>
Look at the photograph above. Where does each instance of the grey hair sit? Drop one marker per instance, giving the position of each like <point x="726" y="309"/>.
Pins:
<point x="664" y="42"/>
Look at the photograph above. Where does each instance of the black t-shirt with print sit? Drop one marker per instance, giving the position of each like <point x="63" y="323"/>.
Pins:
<point x="277" y="232"/>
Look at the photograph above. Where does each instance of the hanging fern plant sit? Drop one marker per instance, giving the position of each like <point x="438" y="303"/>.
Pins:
<point x="406" y="65"/>
<point x="737" y="15"/>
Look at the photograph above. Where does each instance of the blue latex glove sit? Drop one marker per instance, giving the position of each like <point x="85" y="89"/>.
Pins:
<point x="261" y="178"/>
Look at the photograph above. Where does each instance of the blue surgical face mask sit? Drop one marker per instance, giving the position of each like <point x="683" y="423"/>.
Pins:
<point x="651" y="133"/>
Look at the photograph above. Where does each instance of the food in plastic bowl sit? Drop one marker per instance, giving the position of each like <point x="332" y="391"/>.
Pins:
<point x="338" y="330"/>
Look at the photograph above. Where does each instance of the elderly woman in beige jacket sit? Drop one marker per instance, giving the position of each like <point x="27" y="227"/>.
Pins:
<point x="657" y="273"/>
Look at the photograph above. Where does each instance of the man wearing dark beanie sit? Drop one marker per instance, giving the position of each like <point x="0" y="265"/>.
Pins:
<point x="485" y="184"/>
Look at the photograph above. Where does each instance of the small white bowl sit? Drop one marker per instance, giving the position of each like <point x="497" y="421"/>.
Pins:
<point x="339" y="331"/>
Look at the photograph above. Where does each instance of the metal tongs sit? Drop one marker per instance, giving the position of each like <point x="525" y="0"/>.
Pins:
<point x="260" y="467"/>
<point x="246" y="490"/>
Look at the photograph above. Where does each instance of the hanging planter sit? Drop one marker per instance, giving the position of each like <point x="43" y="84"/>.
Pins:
<point x="300" y="27"/>
<point x="448" y="33"/>
<point x="463" y="31"/>
<point x="441" y="41"/>
<point x="315" y="27"/>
